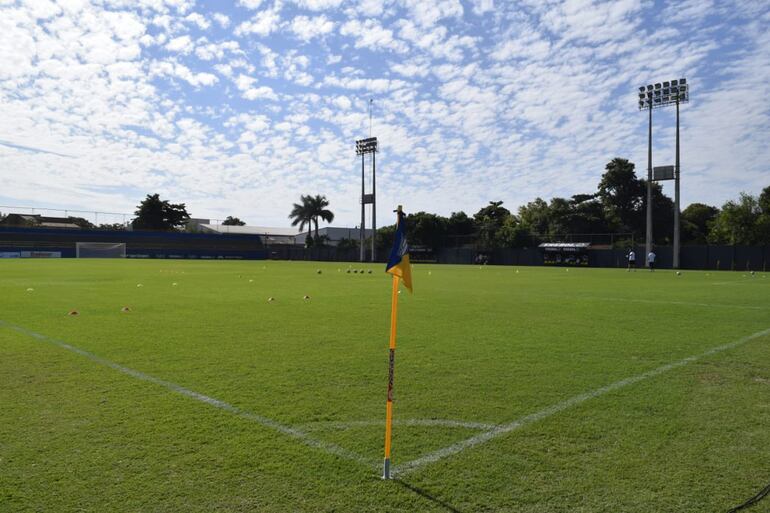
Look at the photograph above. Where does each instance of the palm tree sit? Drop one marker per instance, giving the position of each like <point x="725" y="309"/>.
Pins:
<point x="317" y="205"/>
<point x="308" y="211"/>
<point x="300" y="213"/>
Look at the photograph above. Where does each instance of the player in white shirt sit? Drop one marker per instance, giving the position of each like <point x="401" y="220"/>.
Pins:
<point x="651" y="261"/>
<point x="631" y="261"/>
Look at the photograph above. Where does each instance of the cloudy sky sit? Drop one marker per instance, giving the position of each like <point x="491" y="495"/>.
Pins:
<point x="236" y="108"/>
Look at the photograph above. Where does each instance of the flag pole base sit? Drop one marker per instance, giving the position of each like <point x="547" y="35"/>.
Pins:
<point x="386" y="469"/>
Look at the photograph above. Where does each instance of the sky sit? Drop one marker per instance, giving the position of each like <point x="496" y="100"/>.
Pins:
<point x="238" y="108"/>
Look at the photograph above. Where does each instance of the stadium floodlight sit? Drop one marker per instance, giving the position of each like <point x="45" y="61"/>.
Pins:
<point x="654" y="96"/>
<point x="368" y="145"/>
<point x="364" y="147"/>
<point x="664" y="94"/>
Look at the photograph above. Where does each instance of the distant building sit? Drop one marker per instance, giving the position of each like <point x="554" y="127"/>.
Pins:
<point x="270" y="236"/>
<point x="194" y="224"/>
<point x="39" y="221"/>
<point x="334" y="235"/>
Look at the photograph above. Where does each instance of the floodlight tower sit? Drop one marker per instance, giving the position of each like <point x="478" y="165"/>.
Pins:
<point x="363" y="147"/>
<point x="653" y="96"/>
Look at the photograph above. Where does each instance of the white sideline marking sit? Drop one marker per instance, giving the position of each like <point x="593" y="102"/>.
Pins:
<point x="396" y="422"/>
<point x="558" y="407"/>
<point x="211" y="401"/>
<point x="663" y="302"/>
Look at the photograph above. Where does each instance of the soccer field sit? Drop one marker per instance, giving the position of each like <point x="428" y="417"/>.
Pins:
<point x="516" y="389"/>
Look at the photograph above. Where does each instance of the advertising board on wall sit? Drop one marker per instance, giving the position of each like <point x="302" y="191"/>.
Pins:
<point x="41" y="254"/>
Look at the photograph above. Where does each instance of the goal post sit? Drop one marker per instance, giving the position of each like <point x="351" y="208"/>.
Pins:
<point x="100" y="249"/>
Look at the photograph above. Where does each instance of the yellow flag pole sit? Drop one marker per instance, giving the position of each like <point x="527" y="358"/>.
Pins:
<point x="391" y="364"/>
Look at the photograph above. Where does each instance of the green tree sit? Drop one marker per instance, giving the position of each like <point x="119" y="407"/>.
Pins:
<point x="301" y="215"/>
<point x="309" y="211"/>
<point x="662" y="214"/>
<point x="426" y="230"/>
<point x="513" y="234"/>
<point x="156" y="214"/>
<point x="764" y="200"/>
<point x="489" y="220"/>
<point x="348" y="243"/>
<point x="535" y="216"/>
<point x="460" y="229"/>
<point x="384" y="238"/>
<point x="696" y="221"/>
<point x="763" y="222"/>
<point x="587" y="215"/>
<point x="622" y="195"/>
<point x="737" y="222"/>
<point x="559" y="216"/>
<point x="81" y="222"/>
<point x="117" y="227"/>
<point x="233" y="221"/>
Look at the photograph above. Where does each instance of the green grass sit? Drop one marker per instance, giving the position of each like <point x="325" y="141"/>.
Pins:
<point x="487" y="345"/>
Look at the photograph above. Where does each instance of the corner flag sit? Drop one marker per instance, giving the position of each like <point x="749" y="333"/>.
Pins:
<point x="398" y="266"/>
<point x="398" y="261"/>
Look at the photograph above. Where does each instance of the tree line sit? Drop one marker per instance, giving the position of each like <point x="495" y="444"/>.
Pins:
<point x="618" y="206"/>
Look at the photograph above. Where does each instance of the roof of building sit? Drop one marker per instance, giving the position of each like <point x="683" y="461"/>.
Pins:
<point x="565" y="246"/>
<point x="250" y="230"/>
<point x="45" y="221"/>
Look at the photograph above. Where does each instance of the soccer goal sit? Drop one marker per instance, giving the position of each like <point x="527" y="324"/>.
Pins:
<point x="100" y="249"/>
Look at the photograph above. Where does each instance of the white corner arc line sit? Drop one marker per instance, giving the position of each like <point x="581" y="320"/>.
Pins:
<point x="290" y="431"/>
<point x="561" y="406"/>
<point x="340" y="425"/>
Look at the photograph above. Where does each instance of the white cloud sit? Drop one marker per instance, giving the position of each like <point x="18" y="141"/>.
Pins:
<point x="181" y="44"/>
<point x="250" y="4"/>
<point x="198" y="20"/>
<point x="221" y="19"/>
<point x="263" y="24"/>
<point x="175" y="69"/>
<point x="262" y="92"/>
<point x="411" y="69"/>
<point x="429" y="13"/>
<point x="472" y="101"/>
<point x="376" y="85"/>
<point x="529" y="44"/>
<point x="307" y="28"/>
<point x="318" y="5"/>
<point x="370" y="34"/>
<point x="594" y="21"/>
<point x="483" y="6"/>
<point x="434" y="40"/>
<point x="42" y="9"/>
<point x="342" y="102"/>
<point x="209" y="51"/>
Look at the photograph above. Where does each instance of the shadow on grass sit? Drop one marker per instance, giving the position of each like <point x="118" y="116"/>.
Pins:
<point x="426" y="495"/>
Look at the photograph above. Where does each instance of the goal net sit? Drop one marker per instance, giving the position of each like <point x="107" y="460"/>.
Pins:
<point x="100" y="249"/>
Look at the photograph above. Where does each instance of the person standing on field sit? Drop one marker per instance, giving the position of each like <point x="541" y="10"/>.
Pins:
<point x="631" y="261"/>
<point x="651" y="261"/>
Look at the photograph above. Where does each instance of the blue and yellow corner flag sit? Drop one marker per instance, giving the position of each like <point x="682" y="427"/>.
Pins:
<point x="398" y="261"/>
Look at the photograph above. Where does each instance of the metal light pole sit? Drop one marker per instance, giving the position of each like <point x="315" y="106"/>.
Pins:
<point x="374" y="205"/>
<point x="648" y="237"/>
<point x="362" y="233"/>
<point x="363" y="147"/>
<point x="653" y="96"/>
<point x="676" y="192"/>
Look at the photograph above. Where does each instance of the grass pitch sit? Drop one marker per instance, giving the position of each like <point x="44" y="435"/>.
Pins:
<point x="99" y="412"/>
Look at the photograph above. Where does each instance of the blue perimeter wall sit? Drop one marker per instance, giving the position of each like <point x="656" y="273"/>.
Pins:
<point x="139" y="244"/>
